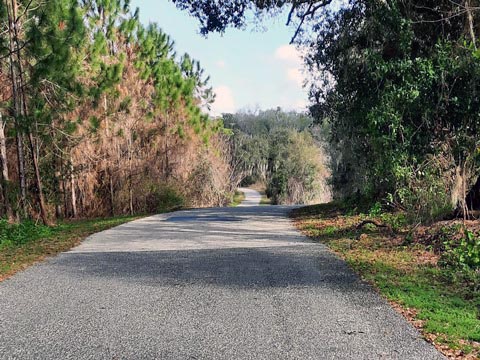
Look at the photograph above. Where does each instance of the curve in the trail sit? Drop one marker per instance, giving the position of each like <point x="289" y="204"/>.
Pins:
<point x="233" y="283"/>
<point x="252" y="197"/>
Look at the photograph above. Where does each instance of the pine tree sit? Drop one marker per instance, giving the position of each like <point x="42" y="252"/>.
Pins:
<point x="104" y="113"/>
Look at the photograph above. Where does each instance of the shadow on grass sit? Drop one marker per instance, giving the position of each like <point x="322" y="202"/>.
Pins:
<point x="321" y="211"/>
<point x="327" y="234"/>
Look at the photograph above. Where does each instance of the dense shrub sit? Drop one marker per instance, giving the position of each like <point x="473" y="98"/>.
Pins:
<point x="462" y="258"/>
<point x="164" y="198"/>
<point x="18" y="234"/>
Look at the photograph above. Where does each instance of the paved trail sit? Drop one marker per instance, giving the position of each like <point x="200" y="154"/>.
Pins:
<point x="233" y="283"/>
<point x="252" y="197"/>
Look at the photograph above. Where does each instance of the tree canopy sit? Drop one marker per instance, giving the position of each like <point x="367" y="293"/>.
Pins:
<point x="403" y="115"/>
<point x="218" y="15"/>
<point x="396" y="82"/>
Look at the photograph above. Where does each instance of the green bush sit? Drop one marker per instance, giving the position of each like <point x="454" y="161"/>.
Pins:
<point x="462" y="258"/>
<point x="375" y="210"/>
<point x="18" y="234"/>
<point x="463" y="255"/>
<point x="424" y="191"/>
<point x="396" y="220"/>
<point x="164" y="198"/>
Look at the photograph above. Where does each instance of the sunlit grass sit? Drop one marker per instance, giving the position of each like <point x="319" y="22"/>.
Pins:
<point x="265" y="200"/>
<point x="22" y="245"/>
<point x="238" y="197"/>
<point x="407" y="275"/>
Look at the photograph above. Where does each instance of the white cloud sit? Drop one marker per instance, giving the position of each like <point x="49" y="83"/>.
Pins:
<point x="221" y="64"/>
<point x="289" y="54"/>
<point x="224" y="101"/>
<point x="291" y="60"/>
<point x="296" y="76"/>
<point x="300" y="105"/>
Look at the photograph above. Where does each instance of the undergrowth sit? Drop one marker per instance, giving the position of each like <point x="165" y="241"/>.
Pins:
<point x="18" y="234"/>
<point x="24" y="244"/>
<point x="237" y="199"/>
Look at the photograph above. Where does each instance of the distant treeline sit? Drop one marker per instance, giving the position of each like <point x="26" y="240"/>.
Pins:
<point x="278" y="149"/>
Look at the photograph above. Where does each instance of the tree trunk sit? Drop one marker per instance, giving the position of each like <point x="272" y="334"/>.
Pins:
<point x="58" y="208"/>
<point x="11" y="11"/>
<point x="73" y="192"/>
<point x="58" y="187"/>
<point x="22" y="175"/>
<point x="38" y="182"/>
<point x="459" y="191"/>
<point x="470" y="23"/>
<point x="130" y="175"/>
<point x="112" y="196"/>
<point x="167" y="162"/>
<point x="64" y="189"/>
<point x="24" y="112"/>
<point x="5" y="175"/>
<point x="464" y="192"/>
<point x="131" y="201"/>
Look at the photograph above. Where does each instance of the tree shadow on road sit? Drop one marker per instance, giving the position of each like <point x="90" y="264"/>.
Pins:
<point x="252" y="268"/>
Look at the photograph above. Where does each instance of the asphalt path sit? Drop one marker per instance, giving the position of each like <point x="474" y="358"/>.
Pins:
<point x="252" y="197"/>
<point x="229" y="283"/>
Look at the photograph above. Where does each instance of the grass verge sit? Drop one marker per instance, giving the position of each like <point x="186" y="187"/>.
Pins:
<point x="265" y="200"/>
<point x="406" y="273"/>
<point x="238" y="197"/>
<point x="260" y="187"/>
<point x="22" y="245"/>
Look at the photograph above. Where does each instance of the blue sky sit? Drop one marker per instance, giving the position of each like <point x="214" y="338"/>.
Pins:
<point x="249" y="68"/>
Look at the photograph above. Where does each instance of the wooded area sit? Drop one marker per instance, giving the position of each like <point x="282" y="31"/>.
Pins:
<point x="91" y="99"/>
<point x="99" y="116"/>
<point x="402" y="102"/>
<point x="280" y="151"/>
<point x="396" y="82"/>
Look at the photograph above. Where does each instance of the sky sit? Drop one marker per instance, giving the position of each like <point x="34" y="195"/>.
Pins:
<point x="249" y="69"/>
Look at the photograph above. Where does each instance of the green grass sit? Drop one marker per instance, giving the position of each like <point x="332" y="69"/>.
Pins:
<point x="448" y="312"/>
<point x="22" y="245"/>
<point x="238" y="197"/>
<point x="265" y="200"/>
<point x="444" y="308"/>
<point x="260" y="187"/>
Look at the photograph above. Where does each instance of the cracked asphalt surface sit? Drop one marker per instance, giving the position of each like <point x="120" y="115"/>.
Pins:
<point x="230" y="283"/>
